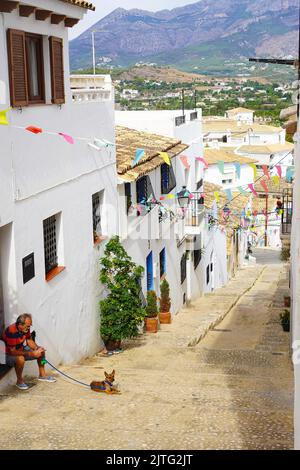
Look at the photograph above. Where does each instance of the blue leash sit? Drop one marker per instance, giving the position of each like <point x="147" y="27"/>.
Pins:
<point x="62" y="373"/>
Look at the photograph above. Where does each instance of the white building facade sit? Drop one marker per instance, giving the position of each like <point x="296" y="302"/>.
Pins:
<point x="58" y="182"/>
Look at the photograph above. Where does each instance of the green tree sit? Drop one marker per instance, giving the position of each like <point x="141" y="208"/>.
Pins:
<point x="122" y="311"/>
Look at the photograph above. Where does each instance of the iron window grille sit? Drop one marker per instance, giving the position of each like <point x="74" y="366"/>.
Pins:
<point x="197" y="251"/>
<point x="183" y="268"/>
<point x="168" y="180"/>
<point x="128" y="196"/>
<point x="287" y="215"/>
<point x="143" y="191"/>
<point x="50" y="245"/>
<point x="96" y="215"/>
<point x="179" y="121"/>
<point x="194" y="116"/>
<point x="162" y="262"/>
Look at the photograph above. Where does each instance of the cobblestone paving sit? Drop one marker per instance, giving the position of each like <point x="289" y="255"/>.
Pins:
<point x="233" y="390"/>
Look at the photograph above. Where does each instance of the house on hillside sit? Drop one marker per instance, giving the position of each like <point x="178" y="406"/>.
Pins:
<point x="58" y="188"/>
<point x="270" y="155"/>
<point x="165" y="239"/>
<point x="241" y="114"/>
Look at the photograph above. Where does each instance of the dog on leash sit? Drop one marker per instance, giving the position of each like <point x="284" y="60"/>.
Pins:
<point x="106" y="386"/>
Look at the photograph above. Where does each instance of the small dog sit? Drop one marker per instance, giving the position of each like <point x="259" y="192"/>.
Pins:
<point x="106" y="386"/>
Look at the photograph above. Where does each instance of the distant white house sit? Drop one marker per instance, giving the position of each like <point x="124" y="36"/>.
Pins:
<point x="241" y="114"/>
<point x="270" y="155"/>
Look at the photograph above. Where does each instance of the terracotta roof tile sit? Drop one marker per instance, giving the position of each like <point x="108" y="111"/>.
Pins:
<point x="212" y="156"/>
<point x="82" y="4"/>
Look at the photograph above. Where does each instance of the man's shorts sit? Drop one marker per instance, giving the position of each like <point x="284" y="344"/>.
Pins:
<point x="11" y="360"/>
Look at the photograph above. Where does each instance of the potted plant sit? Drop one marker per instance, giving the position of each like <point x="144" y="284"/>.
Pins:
<point x="285" y="320"/>
<point x="151" y="320"/>
<point x="121" y="311"/>
<point x="165" y="303"/>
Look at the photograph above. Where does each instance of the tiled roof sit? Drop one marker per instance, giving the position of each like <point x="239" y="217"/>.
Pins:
<point x="82" y="4"/>
<point x="129" y="140"/>
<point x="212" y="156"/>
<point x="239" y="110"/>
<point x="273" y="188"/>
<point x="266" y="149"/>
<point x="236" y="127"/>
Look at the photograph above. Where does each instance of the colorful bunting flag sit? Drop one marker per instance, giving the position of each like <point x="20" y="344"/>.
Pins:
<point x="265" y="186"/>
<point x="229" y="194"/>
<point x="266" y="171"/>
<point x="290" y="174"/>
<point x="165" y="157"/>
<point x="162" y="198"/>
<point x="275" y="179"/>
<point x="170" y="196"/>
<point x="191" y="196"/>
<point x="238" y="169"/>
<point x="221" y="166"/>
<point x="138" y="155"/>
<point x="3" y="117"/>
<point x="254" y="169"/>
<point x="217" y="198"/>
<point x="34" y="130"/>
<point x="200" y="159"/>
<point x="67" y="137"/>
<point x="242" y="191"/>
<point x="279" y="170"/>
<point x="251" y="187"/>
<point x="185" y="162"/>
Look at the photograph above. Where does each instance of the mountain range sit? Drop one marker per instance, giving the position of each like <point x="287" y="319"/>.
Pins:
<point x="206" y="31"/>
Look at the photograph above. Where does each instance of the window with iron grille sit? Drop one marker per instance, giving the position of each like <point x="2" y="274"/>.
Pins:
<point x="197" y="251"/>
<point x="96" y="202"/>
<point x="168" y="180"/>
<point x="50" y="243"/>
<point x="199" y="185"/>
<point x="207" y="274"/>
<point x="143" y="192"/>
<point x="183" y="268"/>
<point x="128" y="196"/>
<point x="162" y="262"/>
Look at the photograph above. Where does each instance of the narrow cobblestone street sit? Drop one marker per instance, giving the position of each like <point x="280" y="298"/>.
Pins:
<point x="232" y="388"/>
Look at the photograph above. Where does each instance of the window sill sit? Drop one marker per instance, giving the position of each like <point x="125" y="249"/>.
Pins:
<point x="99" y="240"/>
<point x="54" y="272"/>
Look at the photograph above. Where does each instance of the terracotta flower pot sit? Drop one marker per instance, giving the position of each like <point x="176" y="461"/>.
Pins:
<point x="112" y="345"/>
<point x="287" y="301"/>
<point x="151" y="324"/>
<point x="165" y="318"/>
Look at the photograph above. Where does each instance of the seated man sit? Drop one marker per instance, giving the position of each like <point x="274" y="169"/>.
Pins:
<point x="17" y="352"/>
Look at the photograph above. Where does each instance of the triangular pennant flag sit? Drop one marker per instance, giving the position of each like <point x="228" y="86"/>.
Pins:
<point x="200" y="159"/>
<point x="279" y="170"/>
<point x="264" y="185"/>
<point x="34" y="130"/>
<point x="138" y="155"/>
<point x="275" y="179"/>
<point x="191" y="196"/>
<point x="251" y="187"/>
<point x="162" y="198"/>
<point x="3" y="117"/>
<point x="221" y="166"/>
<point x="228" y="194"/>
<point x="217" y="198"/>
<point x="170" y="196"/>
<point x="165" y="157"/>
<point x="266" y="171"/>
<point x="254" y="169"/>
<point x="185" y="161"/>
<point x="238" y="169"/>
<point x="67" y="137"/>
<point x="290" y="174"/>
<point x="242" y="191"/>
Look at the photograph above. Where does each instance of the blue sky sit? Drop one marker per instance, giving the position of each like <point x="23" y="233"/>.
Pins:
<point x="104" y="7"/>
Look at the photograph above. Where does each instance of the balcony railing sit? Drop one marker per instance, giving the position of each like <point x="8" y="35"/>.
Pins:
<point x="91" y="88"/>
<point x="195" y="211"/>
<point x="194" y="116"/>
<point x="179" y="120"/>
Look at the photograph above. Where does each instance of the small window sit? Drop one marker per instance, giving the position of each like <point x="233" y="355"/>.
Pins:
<point x="97" y="201"/>
<point x="207" y="274"/>
<point x="150" y="276"/>
<point x="162" y="262"/>
<point x="199" y="185"/>
<point x="183" y="268"/>
<point x="197" y="251"/>
<point x="144" y="191"/>
<point x="168" y="180"/>
<point x="52" y="246"/>
<point x="128" y="196"/>
<point x="35" y="68"/>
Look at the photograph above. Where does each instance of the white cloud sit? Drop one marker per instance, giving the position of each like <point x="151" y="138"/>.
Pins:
<point x="104" y="7"/>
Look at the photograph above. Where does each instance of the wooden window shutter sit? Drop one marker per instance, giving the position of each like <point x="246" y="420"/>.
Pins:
<point x="17" y="67"/>
<point x="57" y="70"/>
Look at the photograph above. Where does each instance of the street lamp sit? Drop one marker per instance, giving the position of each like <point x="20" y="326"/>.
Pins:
<point x="184" y="198"/>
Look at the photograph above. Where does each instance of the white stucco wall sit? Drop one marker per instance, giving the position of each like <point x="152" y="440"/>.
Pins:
<point x="213" y="175"/>
<point x="42" y="175"/>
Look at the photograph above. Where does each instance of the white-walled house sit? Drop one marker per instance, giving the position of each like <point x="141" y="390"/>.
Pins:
<point x="58" y="199"/>
<point x="270" y="155"/>
<point x="168" y="245"/>
<point x="241" y="114"/>
<point x="236" y="170"/>
<point x="234" y="133"/>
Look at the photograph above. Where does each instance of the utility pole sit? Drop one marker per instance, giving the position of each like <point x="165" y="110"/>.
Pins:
<point x="183" y="104"/>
